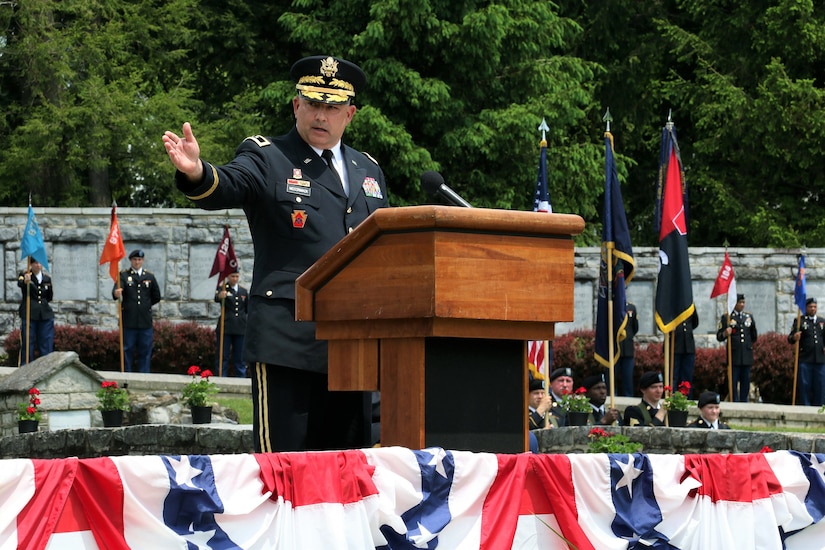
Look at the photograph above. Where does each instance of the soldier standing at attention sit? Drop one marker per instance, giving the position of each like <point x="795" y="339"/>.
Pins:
<point x="138" y="292"/>
<point x="37" y="287"/>
<point x="741" y="328"/>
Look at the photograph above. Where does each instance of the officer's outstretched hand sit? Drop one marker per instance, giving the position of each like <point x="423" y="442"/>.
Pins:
<point x="184" y="152"/>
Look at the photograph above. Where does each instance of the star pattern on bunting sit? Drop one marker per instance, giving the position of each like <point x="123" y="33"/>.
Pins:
<point x="192" y="503"/>
<point x="629" y="474"/>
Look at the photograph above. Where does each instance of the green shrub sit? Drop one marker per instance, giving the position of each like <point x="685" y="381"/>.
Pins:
<point x="575" y="350"/>
<point x="772" y="372"/>
<point x="176" y="346"/>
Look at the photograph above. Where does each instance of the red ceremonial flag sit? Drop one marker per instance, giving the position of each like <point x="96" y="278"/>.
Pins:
<point x="113" y="250"/>
<point x="725" y="283"/>
<point x="225" y="261"/>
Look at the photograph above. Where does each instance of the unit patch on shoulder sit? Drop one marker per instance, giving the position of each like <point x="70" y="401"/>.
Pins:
<point x="260" y="140"/>
<point x="369" y="157"/>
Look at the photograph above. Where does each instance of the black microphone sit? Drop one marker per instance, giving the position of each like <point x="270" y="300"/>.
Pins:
<point x="433" y="183"/>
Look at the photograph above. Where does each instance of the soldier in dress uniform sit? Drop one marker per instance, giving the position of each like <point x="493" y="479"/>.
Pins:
<point x="301" y="192"/>
<point x="596" y="386"/>
<point x="538" y="404"/>
<point x="811" y="354"/>
<point x="709" y="412"/>
<point x="37" y="287"/>
<point x="235" y="299"/>
<point x="647" y="412"/>
<point x="561" y="382"/>
<point x="137" y="292"/>
<point x="741" y="328"/>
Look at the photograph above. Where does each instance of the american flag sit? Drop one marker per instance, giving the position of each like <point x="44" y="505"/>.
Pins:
<point x="396" y="498"/>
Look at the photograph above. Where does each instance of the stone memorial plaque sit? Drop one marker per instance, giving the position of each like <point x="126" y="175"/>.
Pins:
<point x="705" y="307"/>
<point x="73" y="270"/>
<point x="583" y="309"/>
<point x="201" y="286"/>
<point x="641" y="294"/>
<point x="760" y="301"/>
<point x="64" y="420"/>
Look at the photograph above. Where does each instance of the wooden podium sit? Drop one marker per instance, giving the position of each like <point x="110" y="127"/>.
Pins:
<point x="432" y="306"/>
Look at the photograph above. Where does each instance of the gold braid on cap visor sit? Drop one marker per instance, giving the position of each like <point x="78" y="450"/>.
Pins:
<point x="342" y="93"/>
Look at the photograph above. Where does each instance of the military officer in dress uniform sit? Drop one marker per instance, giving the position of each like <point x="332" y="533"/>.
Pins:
<point x="741" y="328"/>
<point x="709" y="412"/>
<point x="37" y="287"/>
<point x="302" y="192"/>
<point x="137" y="292"/>
<point x="647" y="412"/>
<point x="234" y="298"/>
<point x="811" y="354"/>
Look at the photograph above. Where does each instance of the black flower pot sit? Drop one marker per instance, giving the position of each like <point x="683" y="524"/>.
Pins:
<point x="677" y="419"/>
<point x="575" y="418"/>
<point x="112" y="419"/>
<point x="201" y="415"/>
<point x="26" y="426"/>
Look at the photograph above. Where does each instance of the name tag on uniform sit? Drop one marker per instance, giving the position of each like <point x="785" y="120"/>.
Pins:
<point x="298" y="187"/>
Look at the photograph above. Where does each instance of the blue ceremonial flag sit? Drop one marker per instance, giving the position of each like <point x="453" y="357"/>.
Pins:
<point x="32" y="243"/>
<point x="617" y="256"/>
<point x="800" y="293"/>
<point x="674" y="293"/>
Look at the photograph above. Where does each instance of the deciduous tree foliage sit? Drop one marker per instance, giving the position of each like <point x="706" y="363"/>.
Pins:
<point x="88" y="86"/>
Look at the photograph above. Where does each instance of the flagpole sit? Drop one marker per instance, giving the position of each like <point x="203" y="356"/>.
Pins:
<point x="730" y="357"/>
<point x="220" y="328"/>
<point x="611" y="356"/>
<point x="545" y="364"/>
<point x="28" y="308"/>
<point x="120" y="318"/>
<point x="796" y="355"/>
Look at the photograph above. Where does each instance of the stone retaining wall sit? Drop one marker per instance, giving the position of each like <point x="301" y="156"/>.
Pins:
<point x="180" y="246"/>
<point x="226" y="439"/>
<point x="682" y="440"/>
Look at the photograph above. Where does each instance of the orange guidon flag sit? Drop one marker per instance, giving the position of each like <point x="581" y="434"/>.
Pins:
<point x="113" y="250"/>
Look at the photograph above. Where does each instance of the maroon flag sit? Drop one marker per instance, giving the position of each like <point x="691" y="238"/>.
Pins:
<point x="225" y="261"/>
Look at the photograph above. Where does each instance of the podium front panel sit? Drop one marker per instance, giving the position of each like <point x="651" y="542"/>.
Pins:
<point x="475" y="394"/>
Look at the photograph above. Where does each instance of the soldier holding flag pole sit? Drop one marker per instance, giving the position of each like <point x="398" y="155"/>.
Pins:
<point x="38" y="286"/>
<point x="226" y="266"/>
<point x="113" y="252"/>
<point x="726" y="284"/>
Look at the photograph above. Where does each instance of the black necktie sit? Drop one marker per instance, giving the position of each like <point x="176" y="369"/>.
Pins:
<point x="328" y="156"/>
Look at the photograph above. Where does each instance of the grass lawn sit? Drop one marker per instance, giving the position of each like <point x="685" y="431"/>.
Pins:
<point x="241" y="405"/>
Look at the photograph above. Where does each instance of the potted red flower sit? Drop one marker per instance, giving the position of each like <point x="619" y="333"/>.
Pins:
<point x="197" y="393"/>
<point x="677" y="403"/>
<point x="28" y="416"/>
<point x="113" y="401"/>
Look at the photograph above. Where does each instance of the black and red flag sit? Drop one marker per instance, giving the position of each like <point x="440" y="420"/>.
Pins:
<point x="225" y="262"/>
<point x="674" y="294"/>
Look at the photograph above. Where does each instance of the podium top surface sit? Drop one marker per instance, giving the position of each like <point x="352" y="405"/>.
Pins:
<point x="434" y="217"/>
